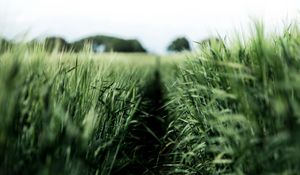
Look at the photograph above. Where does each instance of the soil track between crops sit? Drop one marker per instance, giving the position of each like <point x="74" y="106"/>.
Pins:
<point x="146" y="136"/>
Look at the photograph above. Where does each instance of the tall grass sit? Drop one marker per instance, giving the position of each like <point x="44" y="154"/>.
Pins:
<point x="236" y="109"/>
<point x="64" y="113"/>
<point x="228" y="109"/>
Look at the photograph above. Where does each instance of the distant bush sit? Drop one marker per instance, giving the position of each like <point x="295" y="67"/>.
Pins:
<point x="179" y="44"/>
<point x="5" y="45"/>
<point x="56" y="43"/>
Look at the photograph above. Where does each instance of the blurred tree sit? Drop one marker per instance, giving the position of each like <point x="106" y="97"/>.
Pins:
<point x="98" y="43"/>
<point x="107" y="44"/>
<point x="5" y="45"/>
<point x="56" y="43"/>
<point x="179" y="44"/>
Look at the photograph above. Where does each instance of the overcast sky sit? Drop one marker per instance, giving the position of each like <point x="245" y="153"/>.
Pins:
<point x="154" y="22"/>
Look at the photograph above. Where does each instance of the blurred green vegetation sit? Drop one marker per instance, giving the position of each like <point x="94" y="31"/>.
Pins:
<point x="57" y="43"/>
<point x="5" y="45"/>
<point x="237" y="108"/>
<point x="179" y="44"/>
<point x="98" y="43"/>
<point x="110" y="44"/>
<point x="230" y="108"/>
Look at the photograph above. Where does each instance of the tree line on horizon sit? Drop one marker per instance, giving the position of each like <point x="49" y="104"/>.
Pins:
<point x="101" y="43"/>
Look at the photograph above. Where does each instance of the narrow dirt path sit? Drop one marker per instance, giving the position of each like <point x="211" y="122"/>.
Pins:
<point x="145" y="138"/>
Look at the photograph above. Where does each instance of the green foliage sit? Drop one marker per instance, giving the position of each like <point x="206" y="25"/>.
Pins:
<point x="56" y="43"/>
<point x="110" y="44"/>
<point x="5" y="45"/>
<point x="66" y="116"/>
<point x="237" y="108"/>
<point x="59" y="44"/>
<point x="179" y="44"/>
<point x="226" y="110"/>
<point x="208" y="42"/>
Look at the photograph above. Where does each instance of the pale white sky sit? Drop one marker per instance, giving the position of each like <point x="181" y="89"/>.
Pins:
<point x="154" y="22"/>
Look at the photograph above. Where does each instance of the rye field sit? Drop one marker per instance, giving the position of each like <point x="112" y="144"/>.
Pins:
<point x="229" y="108"/>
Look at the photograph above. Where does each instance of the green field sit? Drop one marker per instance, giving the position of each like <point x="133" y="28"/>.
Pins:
<point x="229" y="108"/>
